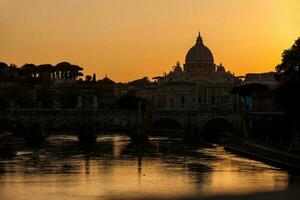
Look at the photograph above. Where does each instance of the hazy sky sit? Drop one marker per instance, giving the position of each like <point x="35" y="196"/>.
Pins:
<point x="128" y="39"/>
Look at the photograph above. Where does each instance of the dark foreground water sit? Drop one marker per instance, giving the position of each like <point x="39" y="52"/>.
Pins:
<point x="114" y="167"/>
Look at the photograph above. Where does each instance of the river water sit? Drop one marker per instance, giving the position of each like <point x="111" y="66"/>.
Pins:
<point x="113" y="167"/>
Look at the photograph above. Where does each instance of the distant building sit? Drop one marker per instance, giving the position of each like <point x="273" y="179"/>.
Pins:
<point x="142" y="88"/>
<point x="257" y="92"/>
<point x="106" y="90"/>
<point x="200" y="85"/>
<point x="267" y="78"/>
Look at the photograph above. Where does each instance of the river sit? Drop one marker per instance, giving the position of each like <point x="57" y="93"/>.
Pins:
<point x="113" y="167"/>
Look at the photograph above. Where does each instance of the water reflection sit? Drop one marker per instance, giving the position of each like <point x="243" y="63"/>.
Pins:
<point x="61" y="168"/>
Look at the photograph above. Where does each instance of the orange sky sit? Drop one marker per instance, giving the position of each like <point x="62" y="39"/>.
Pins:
<point x="128" y="39"/>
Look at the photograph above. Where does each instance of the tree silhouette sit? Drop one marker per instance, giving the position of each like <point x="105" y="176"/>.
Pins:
<point x="3" y="70"/>
<point x="288" y="76"/>
<point x="75" y="72"/>
<point x="9" y="72"/>
<point x="3" y="65"/>
<point x="28" y="70"/>
<point x="67" y="71"/>
<point x="62" y="70"/>
<point x="88" y="78"/>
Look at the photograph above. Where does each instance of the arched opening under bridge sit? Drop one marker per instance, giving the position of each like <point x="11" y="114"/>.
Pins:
<point x="217" y="128"/>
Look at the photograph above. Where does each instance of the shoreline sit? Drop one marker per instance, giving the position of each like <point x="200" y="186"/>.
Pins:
<point x="255" y="151"/>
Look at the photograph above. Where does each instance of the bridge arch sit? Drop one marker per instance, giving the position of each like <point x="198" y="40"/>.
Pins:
<point x="168" y="125"/>
<point x="219" y="126"/>
<point x="12" y="124"/>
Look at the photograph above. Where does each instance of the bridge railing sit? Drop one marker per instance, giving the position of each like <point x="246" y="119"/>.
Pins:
<point x="43" y="111"/>
<point x="193" y="113"/>
<point x="205" y="108"/>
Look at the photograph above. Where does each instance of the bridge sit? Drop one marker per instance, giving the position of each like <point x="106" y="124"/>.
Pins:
<point x="138" y="124"/>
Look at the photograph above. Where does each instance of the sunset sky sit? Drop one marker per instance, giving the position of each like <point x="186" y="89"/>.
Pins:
<point x="129" y="39"/>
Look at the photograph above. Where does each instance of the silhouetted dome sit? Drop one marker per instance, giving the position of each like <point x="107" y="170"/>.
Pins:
<point x="199" y="53"/>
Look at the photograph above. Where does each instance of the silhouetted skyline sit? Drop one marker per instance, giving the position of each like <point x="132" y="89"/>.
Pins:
<point x="131" y="39"/>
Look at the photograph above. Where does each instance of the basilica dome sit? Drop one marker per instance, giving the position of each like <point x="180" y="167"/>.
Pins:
<point x="199" y="53"/>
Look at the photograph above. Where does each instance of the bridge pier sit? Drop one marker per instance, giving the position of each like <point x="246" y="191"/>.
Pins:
<point x="87" y="131"/>
<point x="192" y="133"/>
<point x="138" y="133"/>
<point x="87" y="134"/>
<point x="34" y="132"/>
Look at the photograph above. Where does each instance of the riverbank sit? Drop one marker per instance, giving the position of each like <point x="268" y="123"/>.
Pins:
<point x="274" y="195"/>
<point x="263" y="152"/>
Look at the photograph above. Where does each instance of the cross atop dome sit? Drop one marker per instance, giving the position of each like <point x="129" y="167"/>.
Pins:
<point x="199" y="39"/>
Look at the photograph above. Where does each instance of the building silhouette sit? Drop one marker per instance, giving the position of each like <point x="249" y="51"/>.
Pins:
<point x="199" y="85"/>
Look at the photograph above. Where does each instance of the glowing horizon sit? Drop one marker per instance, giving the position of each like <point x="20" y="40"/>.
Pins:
<point x="130" y="39"/>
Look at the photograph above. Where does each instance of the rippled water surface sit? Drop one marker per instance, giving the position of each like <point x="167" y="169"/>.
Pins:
<point x="61" y="168"/>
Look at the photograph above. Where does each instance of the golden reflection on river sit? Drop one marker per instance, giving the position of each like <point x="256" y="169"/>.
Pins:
<point x="113" y="167"/>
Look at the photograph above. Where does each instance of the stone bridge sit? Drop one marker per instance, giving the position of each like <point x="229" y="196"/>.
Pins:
<point x="189" y="124"/>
